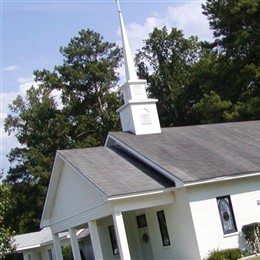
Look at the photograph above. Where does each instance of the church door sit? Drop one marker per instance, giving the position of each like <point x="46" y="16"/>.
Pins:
<point x="144" y="237"/>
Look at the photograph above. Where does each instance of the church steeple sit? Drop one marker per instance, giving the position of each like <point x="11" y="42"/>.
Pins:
<point x="139" y="113"/>
<point x="129" y="64"/>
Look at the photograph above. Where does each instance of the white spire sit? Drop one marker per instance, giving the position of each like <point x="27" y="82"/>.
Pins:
<point x="139" y="113"/>
<point x="129" y="64"/>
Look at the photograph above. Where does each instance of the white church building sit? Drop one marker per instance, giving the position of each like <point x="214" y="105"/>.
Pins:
<point x="152" y="193"/>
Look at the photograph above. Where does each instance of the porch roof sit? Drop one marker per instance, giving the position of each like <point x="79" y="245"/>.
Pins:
<point x="114" y="172"/>
<point x="34" y="239"/>
<point x="201" y="152"/>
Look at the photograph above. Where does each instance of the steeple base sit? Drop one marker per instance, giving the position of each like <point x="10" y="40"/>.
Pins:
<point x="140" y="117"/>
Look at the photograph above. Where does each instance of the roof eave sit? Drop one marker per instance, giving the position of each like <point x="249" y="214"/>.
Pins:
<point x="221" y="179"/>
<point x="140" y="194"/>
<point x="27" y="248"/>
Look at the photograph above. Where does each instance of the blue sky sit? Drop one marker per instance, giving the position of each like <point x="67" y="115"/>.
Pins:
<point x="33" y="31"/>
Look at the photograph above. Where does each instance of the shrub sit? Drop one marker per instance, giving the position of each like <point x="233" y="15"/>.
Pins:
<point x="252" y="236"/>
<point x="227" y="254"/>
<point x="67" y="253"/>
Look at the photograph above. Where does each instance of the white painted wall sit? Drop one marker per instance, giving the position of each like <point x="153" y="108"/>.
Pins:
<point x="41" y="253"/>
<point x="180" y="228"/>
<point x="244" y="194"/>
<point x="132" y="116"/>
<point x="76" y="202"/>
<point x="103" y="230"/>
<point x="33" y="255"/>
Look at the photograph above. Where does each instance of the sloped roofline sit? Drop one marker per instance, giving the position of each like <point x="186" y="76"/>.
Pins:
<point x="52" y="188"/>
<point x="112" y="140"/>
<point x="221" y="179"/>
<point x="54" y="182"/>
<point x="240" y="129"/>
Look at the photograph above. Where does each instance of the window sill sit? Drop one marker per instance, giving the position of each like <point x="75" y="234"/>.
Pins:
<point x="231" y="234"/>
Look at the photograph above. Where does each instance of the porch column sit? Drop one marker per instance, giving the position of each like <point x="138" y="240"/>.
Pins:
<point x="74" y="244"/>
<point x="121" y="236"/>
<point x="57" y="246"/>
<point x="95" y="240"/>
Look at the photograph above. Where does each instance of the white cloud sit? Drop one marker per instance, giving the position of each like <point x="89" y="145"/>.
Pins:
<point x="11" y="68"/>
<point x="187" y="17"/>
<point x="9" y="141"/>
<point x="190" y="20"/>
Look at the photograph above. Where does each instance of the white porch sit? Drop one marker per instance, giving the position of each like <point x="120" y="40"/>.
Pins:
<point x="129" y="241"/>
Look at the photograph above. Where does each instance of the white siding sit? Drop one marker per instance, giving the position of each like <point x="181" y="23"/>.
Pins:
<point x="180" y="228"/>
<point x="41" y="253"/>
<point x="106" y="245"/>
<point x="76" y="201"/>
<point x="244" y="194"/>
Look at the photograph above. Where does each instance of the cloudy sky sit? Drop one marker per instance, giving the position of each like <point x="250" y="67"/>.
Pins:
<point x="32" y="31"/>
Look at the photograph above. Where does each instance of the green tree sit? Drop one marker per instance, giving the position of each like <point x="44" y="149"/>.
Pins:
<point x="86" y="82"/>
<point x="7" y="245"/>
<point x="236" y="70"/>
<point x="41" y="129"/>
<point x="167" y="63"/>
<point x="213" y="108"/>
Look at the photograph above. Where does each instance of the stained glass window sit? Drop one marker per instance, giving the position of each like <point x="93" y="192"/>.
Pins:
<point x="226" y="214"/>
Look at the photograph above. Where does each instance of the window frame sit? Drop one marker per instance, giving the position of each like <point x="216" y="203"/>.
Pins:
<point x="163" y="228"/>
<point x="141" y="221"/>
<point x="231" y="216"/>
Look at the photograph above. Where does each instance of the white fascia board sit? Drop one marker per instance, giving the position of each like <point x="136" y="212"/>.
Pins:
<point x="21" y="249"/>
<point x="141" y="194"/>
<point x="55" y="175"/>
<point x="155" y="166"/>
<point x="223" y="178"/>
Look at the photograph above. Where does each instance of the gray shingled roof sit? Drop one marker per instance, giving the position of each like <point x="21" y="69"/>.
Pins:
<point x="195" y="153"/>
<point x="34" y="239"/>
<point x="111" y="171"/>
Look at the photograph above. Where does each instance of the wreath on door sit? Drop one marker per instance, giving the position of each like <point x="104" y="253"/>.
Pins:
<point x="145" y="238"/>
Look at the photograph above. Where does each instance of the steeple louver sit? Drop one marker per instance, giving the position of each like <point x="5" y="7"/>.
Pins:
<point x="139" y="113"/>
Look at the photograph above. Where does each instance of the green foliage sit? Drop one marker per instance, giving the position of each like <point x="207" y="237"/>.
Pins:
<point x="234" y="70"/>
<point x="87" y="81"/>
<point x="7" y="245"/>
<point x="235" y="24"/>
<point x="227" y="254"/>
<point x="213" y="108"/>
<point x="41" y="129"/>
<point x="67" y="253"/>
<point x="194" y="83"/>
<point x="170" y="58"/>
<point x="42" y="124"/>
<point x="252" y="236"/>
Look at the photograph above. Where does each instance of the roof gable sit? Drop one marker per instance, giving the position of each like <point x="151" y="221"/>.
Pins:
<point x="113" y="172"/>
<point x="108" y="170"/>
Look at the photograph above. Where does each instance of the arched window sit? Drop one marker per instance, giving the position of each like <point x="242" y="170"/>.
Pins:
<point x="226" y="214"/>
